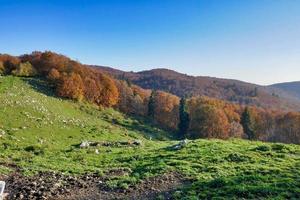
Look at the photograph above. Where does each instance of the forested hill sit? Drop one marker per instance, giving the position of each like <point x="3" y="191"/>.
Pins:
<point x="231" y="90"/>
<point x="291" y="87"/>
<point x="194" y="117"/>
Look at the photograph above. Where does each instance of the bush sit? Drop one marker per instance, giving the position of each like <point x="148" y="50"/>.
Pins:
<point x="280" y="148"/>
<point x="263" y="148"/>
<point x="277" y="147"/>
<point x="36" y="149"/>
<point x="217" y="183"/>
<point x="234" y="157"/>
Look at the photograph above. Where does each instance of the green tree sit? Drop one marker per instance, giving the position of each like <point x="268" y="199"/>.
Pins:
<point x="254" y="92"/>
<point x="151" y="104"/>
<point x="248" y="124"/>
<point x="184" y="118"/>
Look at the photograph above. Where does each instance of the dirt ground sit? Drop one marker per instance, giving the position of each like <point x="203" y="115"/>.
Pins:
<point x="47" y="185"/>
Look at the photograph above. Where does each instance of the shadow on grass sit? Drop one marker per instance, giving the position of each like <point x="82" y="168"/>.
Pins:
<point x="41" y="86"/>
<point x="145" y="127"/>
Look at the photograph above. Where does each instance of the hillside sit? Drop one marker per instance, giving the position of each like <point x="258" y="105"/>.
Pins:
<point x="126" y="157"/>
<point x="192" y="117"/>
<point x="290" y="87"/>
<point x="231" y="90"/>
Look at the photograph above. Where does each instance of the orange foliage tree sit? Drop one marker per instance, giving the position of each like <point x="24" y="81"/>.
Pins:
<point x="166" y="109"/>
<point x="71" y="86"/>
<point x="67" y="74"/>
<point x="109" y="92"/>
<point x="9" y="63"/>
<point x="206" y="120"/>
<point x="287" y="128"/>
<point x="53" y="75"/>
<point x="132" y="99"/>
<point x="210" y="118"/>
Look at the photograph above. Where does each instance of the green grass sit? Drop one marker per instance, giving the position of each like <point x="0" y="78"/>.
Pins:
<point x="42" y="133"/>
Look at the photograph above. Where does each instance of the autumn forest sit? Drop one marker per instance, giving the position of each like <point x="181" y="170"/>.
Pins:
<point x="187" y="116"/>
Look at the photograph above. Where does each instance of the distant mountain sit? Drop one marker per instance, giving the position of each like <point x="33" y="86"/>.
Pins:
<point x="291" y="87"/>
<point x="231" y="90"/>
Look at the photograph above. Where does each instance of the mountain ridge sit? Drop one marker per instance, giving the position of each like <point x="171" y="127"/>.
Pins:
<point x="292" y="87"/>
<point x="232" y="90"/>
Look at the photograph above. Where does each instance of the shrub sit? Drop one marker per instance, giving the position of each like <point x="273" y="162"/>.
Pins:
<point x="217" y="183"/>
<point x="280" y="148"/>
<point x="36" y="149"/>
<point x="263" y="148"/>
<point x="234" y="157"/>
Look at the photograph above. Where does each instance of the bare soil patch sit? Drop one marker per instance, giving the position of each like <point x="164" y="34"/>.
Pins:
<point x="48" y="185"/>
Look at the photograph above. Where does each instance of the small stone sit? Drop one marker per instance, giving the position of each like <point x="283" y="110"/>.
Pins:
<point x="137" y="142"/>
<point x="180" y="145"/>
<point x="84" y="144"/>
<point x="97" y="151"/>
<point x="2" y="132"/>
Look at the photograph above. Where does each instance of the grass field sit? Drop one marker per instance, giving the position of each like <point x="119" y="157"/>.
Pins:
<point x="41" y="132"/>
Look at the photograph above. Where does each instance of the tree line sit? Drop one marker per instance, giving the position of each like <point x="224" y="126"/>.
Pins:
<point x="194" y="117"/>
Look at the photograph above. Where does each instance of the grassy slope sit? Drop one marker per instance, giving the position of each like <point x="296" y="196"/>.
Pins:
<point x="42" y="133"/>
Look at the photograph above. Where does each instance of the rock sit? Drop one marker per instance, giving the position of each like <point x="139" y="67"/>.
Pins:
<point x="5" y="195"/>
<point x="97" y="151"/>
<point x="84" y="144"/>
<point x="2" y="132"/>
<point x="137" y="142"/>
<point x="180" y="145"/>
<point x="184" y="142"/>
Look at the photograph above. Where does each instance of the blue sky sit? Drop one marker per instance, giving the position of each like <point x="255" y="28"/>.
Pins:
<point x="252" y="40"/>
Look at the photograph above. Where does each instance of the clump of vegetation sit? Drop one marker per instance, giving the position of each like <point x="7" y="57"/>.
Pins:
<point x="36" y="149"/>
<point x="235" y="157"/>
<point x="263" y="148"/>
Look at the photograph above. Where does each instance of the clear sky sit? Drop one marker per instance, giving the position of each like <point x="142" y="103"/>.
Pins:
<point x="252" y="40"/>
